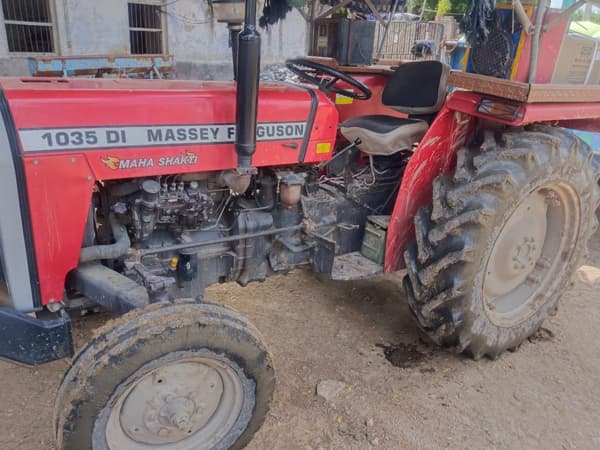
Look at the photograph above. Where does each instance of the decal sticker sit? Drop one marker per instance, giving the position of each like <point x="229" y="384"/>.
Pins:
<point x="114" y="163"/>
<point x="343" y="100"/>
<point x="324" y="147"/>
<point x="90" y="138"/>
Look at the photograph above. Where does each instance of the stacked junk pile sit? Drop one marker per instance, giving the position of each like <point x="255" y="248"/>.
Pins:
<point x="356" y="32"/>
<point x="499" y="40"/>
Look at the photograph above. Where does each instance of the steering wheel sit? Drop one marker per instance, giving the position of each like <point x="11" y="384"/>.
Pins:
<point x="326" y="78"/>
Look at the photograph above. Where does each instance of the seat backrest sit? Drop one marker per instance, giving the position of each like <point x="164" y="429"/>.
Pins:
<point x="417" y="87"/>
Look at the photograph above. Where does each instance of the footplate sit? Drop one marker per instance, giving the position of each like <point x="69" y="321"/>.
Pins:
<point x="354" y="266"/>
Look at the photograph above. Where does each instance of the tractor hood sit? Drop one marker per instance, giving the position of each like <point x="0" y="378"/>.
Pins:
<point x="128" y="127"/>
<point x="66" y="135"/>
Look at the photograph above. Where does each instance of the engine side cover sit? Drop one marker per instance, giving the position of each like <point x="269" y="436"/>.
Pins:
<point x="74" y="132"/>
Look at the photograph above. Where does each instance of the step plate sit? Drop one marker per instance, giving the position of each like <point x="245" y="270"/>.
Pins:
<point x="354" y="266"/>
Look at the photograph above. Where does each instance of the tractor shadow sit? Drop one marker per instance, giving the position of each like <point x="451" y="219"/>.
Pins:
<point x="380" y="305"/>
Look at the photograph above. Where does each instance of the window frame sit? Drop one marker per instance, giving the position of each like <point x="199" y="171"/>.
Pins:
<point x="55" y="44"/>
<point x="162" y="30"/>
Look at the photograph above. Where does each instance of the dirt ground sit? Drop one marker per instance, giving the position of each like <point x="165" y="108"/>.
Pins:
<point x="544" y="396"/>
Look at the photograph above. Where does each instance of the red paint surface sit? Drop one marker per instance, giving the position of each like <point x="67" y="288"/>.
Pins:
<point x="373" y="106"/>
<point x="550" y="45"/>
<point x="582" y="116"/>
<point x="59" y="199"/>
<point x="60" y="184"/>
<point x="435" y="155"/>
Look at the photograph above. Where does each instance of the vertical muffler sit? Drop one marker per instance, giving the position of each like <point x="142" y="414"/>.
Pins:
<point x="248" y="67"/>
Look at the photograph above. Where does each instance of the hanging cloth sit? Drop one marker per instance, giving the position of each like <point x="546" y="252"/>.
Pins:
<point x="273" y="12"/>
<point x="478" y="20"/>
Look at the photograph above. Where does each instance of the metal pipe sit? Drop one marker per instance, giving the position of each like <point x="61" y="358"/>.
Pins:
<point x="111" y="251"/>
<point x="234" y="30"/>
<point x="386" y="28"/>
<point x="237" y="237"/>
<point x="535" y="42"/>
<point x="528" y="27"/>
<point x="247" y="90"/>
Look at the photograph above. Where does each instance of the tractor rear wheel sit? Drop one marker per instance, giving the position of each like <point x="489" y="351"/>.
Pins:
<point x="170" y="376"/>
<point x="502" y="239"/>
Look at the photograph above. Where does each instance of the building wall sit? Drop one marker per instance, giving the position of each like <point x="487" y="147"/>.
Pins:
<point x="198" y="43"/>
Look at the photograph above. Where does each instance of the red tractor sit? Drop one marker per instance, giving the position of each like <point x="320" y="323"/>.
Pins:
<point x="136" y="195"/>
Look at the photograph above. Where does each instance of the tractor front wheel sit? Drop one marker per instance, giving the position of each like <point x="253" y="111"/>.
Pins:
<point x="170" y="376"/>
<point x="502" y="239"/>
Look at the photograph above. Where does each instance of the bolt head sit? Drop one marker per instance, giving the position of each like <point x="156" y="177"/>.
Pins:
<point x="54" y="306"/>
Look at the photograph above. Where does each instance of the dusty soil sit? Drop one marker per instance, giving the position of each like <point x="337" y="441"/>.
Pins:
<point x="546" y="395"/>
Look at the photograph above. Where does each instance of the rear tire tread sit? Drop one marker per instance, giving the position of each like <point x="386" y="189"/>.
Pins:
<point x="440" y="262"/>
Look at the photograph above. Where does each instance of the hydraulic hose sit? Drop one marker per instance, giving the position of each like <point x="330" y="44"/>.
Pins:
<point x="110" y="251"/>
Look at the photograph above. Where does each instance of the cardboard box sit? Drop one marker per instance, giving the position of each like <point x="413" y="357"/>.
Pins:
<point x="574" y="63"/>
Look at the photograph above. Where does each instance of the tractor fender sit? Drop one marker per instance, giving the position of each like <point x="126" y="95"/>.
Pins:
<point x="435" y="154"/>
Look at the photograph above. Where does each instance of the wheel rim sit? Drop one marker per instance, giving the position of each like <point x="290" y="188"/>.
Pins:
<point x="191" y="402"/>
<point x="530" y="253"/>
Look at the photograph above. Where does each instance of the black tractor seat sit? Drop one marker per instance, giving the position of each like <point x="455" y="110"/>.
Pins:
<point x="384" y="135"/>
<point x="417" y="89"/>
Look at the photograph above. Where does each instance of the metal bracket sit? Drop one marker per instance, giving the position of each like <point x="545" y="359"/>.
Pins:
<point x="32" y="341"/>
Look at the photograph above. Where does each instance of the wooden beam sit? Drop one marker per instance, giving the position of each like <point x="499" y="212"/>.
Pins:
<point x="563" y="93"/>
<point x="511" y="90"/>
<point x="524" y="92"/>
<point x="333" y="8"/>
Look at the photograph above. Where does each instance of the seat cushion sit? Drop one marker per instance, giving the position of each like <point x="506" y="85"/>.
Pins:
<point x="383" y="135"/>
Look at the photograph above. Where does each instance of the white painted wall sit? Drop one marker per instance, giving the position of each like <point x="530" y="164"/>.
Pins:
<point x="189" y="38"/>
<point x="91" y="27"/>
<point x="199" y="44"/>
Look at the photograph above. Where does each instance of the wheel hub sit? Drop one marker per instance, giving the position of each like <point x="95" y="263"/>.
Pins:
<point x="524" y="255"/>
<point x="527" y="252"/>
<point x="179" y="412"/>
<point x="517" y="248"/>
<point x="195" y="400"/>
<point x="173" y="403"/>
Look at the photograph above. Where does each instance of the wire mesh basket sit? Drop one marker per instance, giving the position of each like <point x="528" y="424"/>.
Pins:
<point x="409" y="41"/>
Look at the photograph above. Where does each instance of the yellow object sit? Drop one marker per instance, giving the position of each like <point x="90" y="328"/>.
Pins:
<point x="174" y="262"/>
<point x="343" y="100"/>
<point x="324" y="147"/>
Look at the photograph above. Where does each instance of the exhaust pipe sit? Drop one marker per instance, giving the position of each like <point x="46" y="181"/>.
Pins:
<point x="248" y="68"/>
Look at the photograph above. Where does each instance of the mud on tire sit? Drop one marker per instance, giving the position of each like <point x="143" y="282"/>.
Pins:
<point x="457" y="237"/>
<point x="129" y="348"/>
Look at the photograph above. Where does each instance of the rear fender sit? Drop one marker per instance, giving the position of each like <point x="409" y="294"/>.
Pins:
<point x="436" y="154"/>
